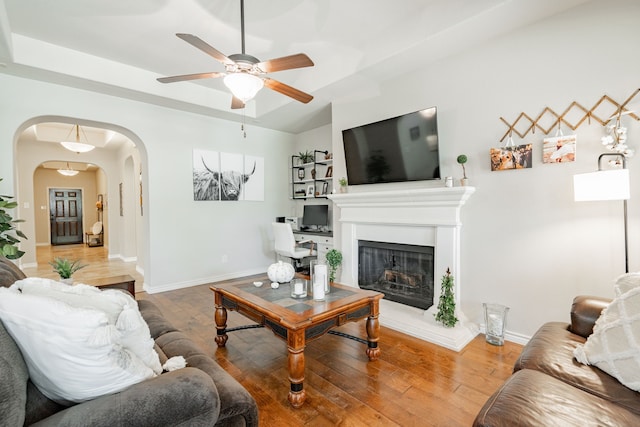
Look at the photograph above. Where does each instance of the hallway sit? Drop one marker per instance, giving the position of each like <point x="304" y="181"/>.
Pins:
<point x="98" y="264"/>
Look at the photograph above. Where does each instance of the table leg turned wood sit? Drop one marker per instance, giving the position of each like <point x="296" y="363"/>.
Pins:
<point x="221" y="326"/>
<point x="373" y="335"/>
<point x="295" y="346"/>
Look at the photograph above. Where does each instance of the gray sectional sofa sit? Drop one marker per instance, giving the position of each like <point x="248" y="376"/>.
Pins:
<point x="202" y="394"/>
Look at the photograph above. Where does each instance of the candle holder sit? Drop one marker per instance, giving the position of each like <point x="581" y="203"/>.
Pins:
<point x="298" y="288"/>
<point x="319" y="279"/>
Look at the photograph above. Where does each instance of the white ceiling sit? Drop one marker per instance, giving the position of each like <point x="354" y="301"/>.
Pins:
<point x="121" y="46"/>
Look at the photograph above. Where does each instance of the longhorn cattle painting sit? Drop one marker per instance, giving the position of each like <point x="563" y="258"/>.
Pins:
<point x="227" y="176"/>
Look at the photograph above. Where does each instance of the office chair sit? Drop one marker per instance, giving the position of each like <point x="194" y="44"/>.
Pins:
<point x="286" y="245"/>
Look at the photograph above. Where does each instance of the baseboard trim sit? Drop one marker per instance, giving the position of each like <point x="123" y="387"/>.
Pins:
<point x="201" y="281"/>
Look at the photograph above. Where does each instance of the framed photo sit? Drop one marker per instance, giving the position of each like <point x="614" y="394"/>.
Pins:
<point x="559" y="149"/>
<point x="329" y="172"/>
<point x="325" y="187"/>
<point x="516" y="157"/>
<point x="310" y="191"/>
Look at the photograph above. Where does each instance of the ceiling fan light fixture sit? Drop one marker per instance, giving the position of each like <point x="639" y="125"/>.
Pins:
<point x="68" y="171"/>
<point x="244" y="86"/>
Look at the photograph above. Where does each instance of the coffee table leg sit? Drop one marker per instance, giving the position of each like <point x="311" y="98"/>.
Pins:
<point x="373" y="335"/>
<point x="295" y="346"/>
<point x="221" y="326"/>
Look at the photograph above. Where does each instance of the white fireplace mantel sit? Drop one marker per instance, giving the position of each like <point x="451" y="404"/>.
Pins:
<point x="426" y="217"/>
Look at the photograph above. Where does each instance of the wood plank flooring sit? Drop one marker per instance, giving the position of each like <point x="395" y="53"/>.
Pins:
<point x="414" y="383"/>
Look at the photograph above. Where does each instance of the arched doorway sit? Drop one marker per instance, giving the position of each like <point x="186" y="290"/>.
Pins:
<point x="118" y="155"/>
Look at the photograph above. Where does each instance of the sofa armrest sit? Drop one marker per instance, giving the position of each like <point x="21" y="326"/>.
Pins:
<point x="585" y="310"/>
<point x="186" y="396"/>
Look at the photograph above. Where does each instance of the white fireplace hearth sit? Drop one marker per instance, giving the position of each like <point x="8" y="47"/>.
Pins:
<point x="425" y="217"/>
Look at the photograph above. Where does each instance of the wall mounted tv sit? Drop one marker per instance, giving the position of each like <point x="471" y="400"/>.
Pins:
<point x="403" y="148"/>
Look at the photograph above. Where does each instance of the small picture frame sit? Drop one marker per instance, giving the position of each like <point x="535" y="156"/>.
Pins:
<point x="310" y="191"/>
<point x="325" y="187"/>
<point x="329" y="172"/>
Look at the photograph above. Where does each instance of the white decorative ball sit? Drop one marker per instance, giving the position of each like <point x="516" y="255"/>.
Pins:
<point x="281" y="272"/>
<point x="275" y="285"/>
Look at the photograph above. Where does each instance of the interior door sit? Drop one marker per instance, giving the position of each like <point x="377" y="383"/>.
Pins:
<point x="65" y="206"/>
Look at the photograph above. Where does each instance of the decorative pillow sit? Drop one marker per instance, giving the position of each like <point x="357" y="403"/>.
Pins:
<point x="120" y="308"/>
<point x="614" y="345"/>
<point x="73" y="354"/>
<point x="626" y="282"/>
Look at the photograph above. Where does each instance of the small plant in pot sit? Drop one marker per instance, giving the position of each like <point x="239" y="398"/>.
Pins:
<point x="334" y="259"/>
<point x="462" y="159"/>
<point x="305" y="156"/>
<point x="66" y="268"/>
<point x="343" y="184"/>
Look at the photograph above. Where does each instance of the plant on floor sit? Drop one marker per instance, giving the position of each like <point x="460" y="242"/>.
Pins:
<point x="447" y="304"/>
<point x="334" y="259"/>
<point x="9" y="235"/>
<point x="66" y="268"/>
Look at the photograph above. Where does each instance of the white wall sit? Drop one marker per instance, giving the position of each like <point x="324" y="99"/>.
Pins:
<point x="187" y="240"/>
<point x="526" y="243"/>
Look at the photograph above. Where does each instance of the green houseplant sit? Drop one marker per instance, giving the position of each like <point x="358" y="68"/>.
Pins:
<point x="462" y="159"/>
<point x="306" y="156"/>
<point x="334" y="259"/>
<point x="9" y="235"/>
<point x="447" y="305"/>
<point x="66" y="268"/>
<point x="343" y="184"/>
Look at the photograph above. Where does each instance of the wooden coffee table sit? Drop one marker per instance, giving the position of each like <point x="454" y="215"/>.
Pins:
<point x="297" y="321"/>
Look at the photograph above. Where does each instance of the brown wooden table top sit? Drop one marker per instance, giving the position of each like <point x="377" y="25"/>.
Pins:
<point x="295" y="313"/>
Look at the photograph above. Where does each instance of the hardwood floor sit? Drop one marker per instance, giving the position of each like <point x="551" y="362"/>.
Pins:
<point x="414" y="383"/>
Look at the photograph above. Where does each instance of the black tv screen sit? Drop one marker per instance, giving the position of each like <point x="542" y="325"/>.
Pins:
<point x="403" y="148"/>
<point x="315" y="216"/>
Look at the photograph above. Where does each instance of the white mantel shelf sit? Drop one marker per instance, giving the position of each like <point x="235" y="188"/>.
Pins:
<point x="422" y="216"/>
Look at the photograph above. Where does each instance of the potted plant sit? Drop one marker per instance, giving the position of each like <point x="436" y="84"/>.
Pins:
<point x="447" y="304"/>
<point x="334" y="259"/>
<point x="305" y="156"/>
<point x="343" y="184"/>
<point x="9" y="235"/>
<point x="66" y="268"/>
<point x="462" y="159"/>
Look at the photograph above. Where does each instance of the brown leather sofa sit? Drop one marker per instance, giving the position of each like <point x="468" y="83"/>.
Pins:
<point x="550" y="388"/>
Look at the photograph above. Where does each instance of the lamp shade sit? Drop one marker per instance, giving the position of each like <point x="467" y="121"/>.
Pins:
<point x="244" y="86"/>
<point x="602" y="185"/>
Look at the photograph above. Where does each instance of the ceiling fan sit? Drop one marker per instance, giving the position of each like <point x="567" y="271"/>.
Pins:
<point x="244" y="73"/>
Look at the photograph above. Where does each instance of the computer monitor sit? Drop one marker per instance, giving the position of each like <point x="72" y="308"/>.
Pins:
<point x="315" y="216"/>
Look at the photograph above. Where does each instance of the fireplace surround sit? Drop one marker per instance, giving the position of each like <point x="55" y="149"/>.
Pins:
<point x="421" y="217"/>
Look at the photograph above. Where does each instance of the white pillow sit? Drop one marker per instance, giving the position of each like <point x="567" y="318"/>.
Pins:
<point x="614" y="345"/>
<point x="120" y="308"/>
<point x="626" y="282"/>
<point x="73" y="354"/>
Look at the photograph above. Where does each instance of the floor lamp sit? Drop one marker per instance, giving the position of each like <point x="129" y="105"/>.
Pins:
<point x="612" y="184"/>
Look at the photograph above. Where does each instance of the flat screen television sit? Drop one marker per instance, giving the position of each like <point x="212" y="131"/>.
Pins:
<point x="315" y="217"/>
<point x="403" y="148"/>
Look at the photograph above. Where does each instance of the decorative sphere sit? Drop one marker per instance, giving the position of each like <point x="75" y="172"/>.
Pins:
<point x="281" y="272"/>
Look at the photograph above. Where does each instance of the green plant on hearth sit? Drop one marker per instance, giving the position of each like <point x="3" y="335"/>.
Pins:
<point x="9" y="235"/>
<point x="447" y="305"/>
<point x="306" y="156"/>
<point x="462" y="159"/>
<point x="334" y="259"/>
<point x="66" y="268"/>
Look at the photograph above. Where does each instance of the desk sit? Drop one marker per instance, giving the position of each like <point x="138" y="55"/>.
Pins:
<point x="323" y="241"/>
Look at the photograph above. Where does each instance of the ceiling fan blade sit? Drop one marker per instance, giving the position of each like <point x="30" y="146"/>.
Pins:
<point x="205" y="47"/>
<point x="236" y="103"/>
<point x="185" y="77"/>
<point x="299" y="60"/>
<point x="284" y="89"/>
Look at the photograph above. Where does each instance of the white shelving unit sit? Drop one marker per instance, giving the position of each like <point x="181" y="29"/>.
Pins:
<point x="311" y="180"/>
